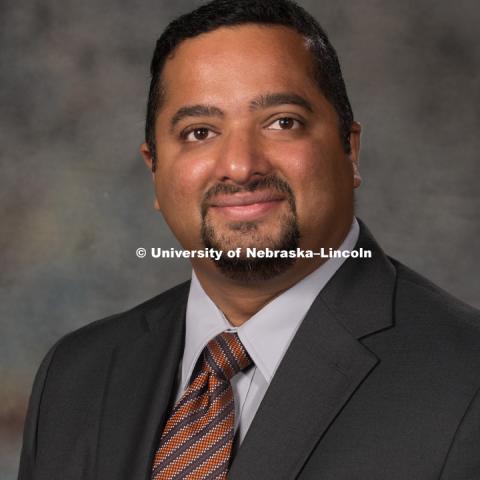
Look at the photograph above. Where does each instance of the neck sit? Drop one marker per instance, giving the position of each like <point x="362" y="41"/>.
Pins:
<point x="241" y="300"/>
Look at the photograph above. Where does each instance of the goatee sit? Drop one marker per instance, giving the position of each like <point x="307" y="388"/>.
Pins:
<point x="246" y="234"/>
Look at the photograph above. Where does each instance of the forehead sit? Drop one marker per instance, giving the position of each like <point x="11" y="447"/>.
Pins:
<point x="239" y="60"/>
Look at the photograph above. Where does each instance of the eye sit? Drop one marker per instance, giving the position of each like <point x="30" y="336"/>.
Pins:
<point x="197" y="134"/>
<point x="285" y="123"/>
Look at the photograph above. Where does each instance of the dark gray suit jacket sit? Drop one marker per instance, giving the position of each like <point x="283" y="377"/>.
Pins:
<point x="381" y="382"/>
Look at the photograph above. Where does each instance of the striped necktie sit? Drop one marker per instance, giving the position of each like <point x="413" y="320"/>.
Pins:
<point x="197" y="440"/>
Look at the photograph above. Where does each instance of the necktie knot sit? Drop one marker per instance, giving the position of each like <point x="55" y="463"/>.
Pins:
<point x="225" y="355"/>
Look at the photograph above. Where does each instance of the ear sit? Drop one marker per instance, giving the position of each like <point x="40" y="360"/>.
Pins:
<point x="148" y="159"/>
<point x="354" y="154"/>
<point x="147" y="155"/>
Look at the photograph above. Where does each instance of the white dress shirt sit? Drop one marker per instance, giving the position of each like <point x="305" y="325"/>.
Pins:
<point x="266" y="335"/>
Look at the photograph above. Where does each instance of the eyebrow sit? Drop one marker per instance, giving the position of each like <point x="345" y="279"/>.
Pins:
<point x="282" y="98"/>
<point x="195" y="111"/>
<point x="262" y="101"/>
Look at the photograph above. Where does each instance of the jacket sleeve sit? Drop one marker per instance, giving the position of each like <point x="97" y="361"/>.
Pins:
<point x="463" y="459"/>
<point x="29" y="447"/>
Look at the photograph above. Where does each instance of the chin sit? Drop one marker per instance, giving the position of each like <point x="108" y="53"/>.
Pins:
<point x="251" y="235"/>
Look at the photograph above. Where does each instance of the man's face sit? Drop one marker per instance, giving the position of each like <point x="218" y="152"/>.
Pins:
<point x="248" y="148"/>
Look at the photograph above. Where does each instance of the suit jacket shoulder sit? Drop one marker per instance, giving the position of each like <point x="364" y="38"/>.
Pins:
<point x="69" y="396"/>
<point x="447" y="325"/>
<point x="126" y="326"/>
<point x="429" y="294"/>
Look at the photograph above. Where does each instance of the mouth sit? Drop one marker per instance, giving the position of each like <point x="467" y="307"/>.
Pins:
<point x="246" y="206"/>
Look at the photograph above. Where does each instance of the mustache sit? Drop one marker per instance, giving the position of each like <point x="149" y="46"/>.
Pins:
<point x="270" y="182"/>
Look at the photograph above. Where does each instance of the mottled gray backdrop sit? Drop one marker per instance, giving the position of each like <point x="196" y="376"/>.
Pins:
<point x="76" y="198"/>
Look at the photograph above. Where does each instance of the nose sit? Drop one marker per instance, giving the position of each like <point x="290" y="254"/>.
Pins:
<point x="240" y="158"/>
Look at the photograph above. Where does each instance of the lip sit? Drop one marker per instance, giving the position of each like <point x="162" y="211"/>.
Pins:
<point x="247" y="206"/>
<point x="245" y="199"/>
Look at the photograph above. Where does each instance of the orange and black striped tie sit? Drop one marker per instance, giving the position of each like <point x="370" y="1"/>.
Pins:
<point x="197" y="440"/>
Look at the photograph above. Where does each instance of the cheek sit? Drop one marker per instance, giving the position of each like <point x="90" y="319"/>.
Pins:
<point x="309" y="167"/>
<point x="320" y="176"/>
<point x="182" y="180"/>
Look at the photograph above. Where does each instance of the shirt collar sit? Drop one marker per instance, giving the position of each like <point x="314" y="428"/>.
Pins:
<point x="267" y="334"/>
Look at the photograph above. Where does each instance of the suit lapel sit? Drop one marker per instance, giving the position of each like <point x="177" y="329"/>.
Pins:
<point x="138" y="396"/>
<point x="321" y="369"/>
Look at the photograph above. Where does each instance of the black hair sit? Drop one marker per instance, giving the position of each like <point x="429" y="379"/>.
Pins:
<point x="224" y="13"/>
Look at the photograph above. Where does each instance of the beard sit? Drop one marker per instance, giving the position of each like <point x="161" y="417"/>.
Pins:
<point x="248" y="234"/>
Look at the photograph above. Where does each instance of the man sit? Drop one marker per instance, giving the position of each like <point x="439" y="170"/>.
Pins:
<point x="262" y="368"/>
